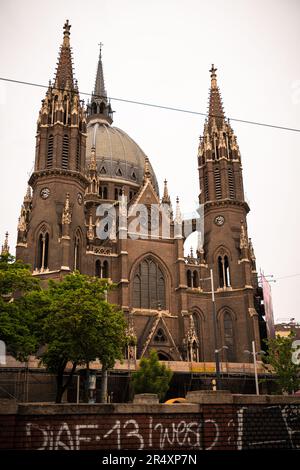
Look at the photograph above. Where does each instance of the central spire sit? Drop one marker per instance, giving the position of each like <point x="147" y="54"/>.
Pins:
<point x="100" y="106"/>
<point x="99" y="90"/>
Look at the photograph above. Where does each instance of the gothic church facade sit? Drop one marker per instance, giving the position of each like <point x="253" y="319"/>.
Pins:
<point x="83" y="161"/>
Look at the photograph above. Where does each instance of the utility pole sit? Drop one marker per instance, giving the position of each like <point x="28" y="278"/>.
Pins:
<point x="217" y="361"/>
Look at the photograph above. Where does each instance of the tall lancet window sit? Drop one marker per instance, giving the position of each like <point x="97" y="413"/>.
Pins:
<point x="149" y="286"/>
<point x="43" y="251"/>
<point x="77" y="253"/>
<point x="65" y="153"/>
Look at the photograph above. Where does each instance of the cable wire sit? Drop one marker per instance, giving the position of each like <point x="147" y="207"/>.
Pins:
<point x="169" y="108"/>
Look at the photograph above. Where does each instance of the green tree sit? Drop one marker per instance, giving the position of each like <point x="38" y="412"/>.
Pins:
<point x="80" y="327"/>
<point x="152" y="376"/>
<point x="19" y="291"/>
<point x="281" y="356"/>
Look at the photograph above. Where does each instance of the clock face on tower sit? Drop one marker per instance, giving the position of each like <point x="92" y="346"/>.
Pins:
<point x="79" y="198"/>
<point x="219" y="220"/>
<point x="45" y="192"/>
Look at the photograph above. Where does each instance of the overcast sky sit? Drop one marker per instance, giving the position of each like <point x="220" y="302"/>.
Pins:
<point x="160" y="51"/>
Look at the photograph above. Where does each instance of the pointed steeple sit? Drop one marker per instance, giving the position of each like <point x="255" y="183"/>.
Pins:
<point x="147" y="172"/>
<point x="64" y="78"/>
<point x="5" y="247"/>
<point x="166" y="197"/>
<point x="99" y="91"/>
<point x="100" y="105"/>
<point x="215" y="109"/>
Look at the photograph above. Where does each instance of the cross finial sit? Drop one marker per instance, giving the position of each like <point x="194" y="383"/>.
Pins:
<point x="100" y="45"/>
<point x="67" y="27"/>
<point x="66" y="40"/>
<point x="213" y="76"/>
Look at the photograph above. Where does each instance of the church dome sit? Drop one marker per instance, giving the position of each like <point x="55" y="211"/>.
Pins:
<point x="118" y="156"/>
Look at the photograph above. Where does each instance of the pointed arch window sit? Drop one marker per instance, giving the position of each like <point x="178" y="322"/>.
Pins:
<point x="49" y="162"/>
<point x="119" y="172"/>
<point x="94" y="108"/>
<point x="98" y="268"/>
<point x="43" y="251"/>
<point x="195" y="279"/>
<point x="103" y="192"/>
<point x="102" y="171"/>
<point x="149" y="286"/>
<point x="189" y="278"/>
<point x="65" y="152"/>
<point x="101" y="269"/>
<point x="229" y="337"/>
<point x="77" y="253"/>
<point x="105" y="272"/>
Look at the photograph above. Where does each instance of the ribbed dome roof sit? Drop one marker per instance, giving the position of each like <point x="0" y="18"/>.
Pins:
<point x="118" y="156"/>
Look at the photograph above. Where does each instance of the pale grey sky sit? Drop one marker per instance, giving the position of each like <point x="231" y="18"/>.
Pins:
<point x="160" y="51"/>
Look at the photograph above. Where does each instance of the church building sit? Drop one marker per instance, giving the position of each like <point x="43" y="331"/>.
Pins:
<point x="83" y="161"/>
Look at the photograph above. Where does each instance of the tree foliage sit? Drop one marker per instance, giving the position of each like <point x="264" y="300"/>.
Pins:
<point x="71" y="319"/>
<point x="281" y="356"/>
<point x="152" y="376"/>
<point x="81" y="326"/>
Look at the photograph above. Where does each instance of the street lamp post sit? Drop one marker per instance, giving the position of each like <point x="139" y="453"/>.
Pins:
<point x="217" y="361"/>
<point x="254" y="353"/>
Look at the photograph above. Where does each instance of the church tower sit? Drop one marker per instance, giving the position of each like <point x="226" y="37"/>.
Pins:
<point x="227" y="248"/>
<point x="50" y="234"/>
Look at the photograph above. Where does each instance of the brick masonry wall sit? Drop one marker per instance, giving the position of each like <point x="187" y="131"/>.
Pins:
<point x="212" y="422"/>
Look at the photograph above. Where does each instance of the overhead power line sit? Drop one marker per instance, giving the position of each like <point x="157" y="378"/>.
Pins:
<point x="169" y="108"/>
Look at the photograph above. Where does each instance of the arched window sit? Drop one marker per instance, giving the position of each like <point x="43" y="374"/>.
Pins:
<point x="98" y="268"/>
<point x="223" y="271"/>
<point x="77" y="253"/>
<point x="94" y="108"/>
<point x="43" y="251"/>
<point x="189" y="278"/>
<point x="49" y="162"/>
<point x="118" y="192"/>
<point x="229" y="337"/>
<point x="195" y="279"/>
<point x="218" y="183"/>
<point x="149" y="286"/>
<point x="65" y="153"/>
<point x="119" y="172"/>
<point x="105" y="273"/>
<point x="102" y="108"/>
